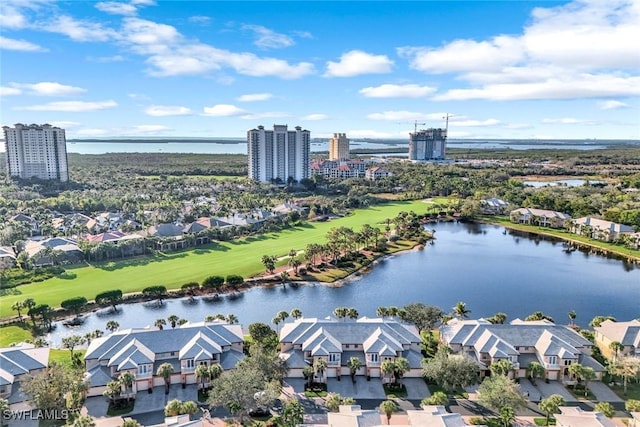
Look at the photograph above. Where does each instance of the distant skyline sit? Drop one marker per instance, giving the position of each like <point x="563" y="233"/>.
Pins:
<point x="145" y="68"/>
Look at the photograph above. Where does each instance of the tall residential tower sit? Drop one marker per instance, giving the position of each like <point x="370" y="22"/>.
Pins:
<point x="279" y="154"/>
<point x="38" y="151"/>
<point x="428" y="144"/>
<point x="339" y="147"/>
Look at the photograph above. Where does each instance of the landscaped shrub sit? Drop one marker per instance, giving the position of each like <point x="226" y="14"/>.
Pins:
<point x="235" y="280"/>
<point x="213" y="282"/>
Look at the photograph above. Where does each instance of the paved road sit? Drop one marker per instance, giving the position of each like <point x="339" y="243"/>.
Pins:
<point x="603" y="393"/>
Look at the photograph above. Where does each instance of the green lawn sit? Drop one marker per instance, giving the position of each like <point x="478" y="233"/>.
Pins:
<point x="174" y="269"/>
<point x="633" y="390"/>
<point x="13" y="334"/>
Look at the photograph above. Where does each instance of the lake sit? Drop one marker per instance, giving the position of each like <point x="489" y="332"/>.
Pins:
<point x="561" y="182"/>
<point x="490" y="270"/>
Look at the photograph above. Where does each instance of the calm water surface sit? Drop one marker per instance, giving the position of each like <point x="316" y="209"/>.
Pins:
<point x="478" y="264"/>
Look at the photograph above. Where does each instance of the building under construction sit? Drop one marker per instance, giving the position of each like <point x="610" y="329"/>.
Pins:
<point x="428" y="144"/>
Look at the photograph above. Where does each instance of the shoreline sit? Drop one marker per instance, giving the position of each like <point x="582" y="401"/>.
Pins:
<point x="578" y="243"/>
<point x="61" y="315"/>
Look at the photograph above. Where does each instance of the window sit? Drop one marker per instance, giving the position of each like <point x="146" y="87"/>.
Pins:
<point x="373" y="357"/>
<point x="143" y="369"/>
<point x="567" y="362"/>
<point x="334" y="357"/>
<point x="189" y="364"/>
<point x="553" y="360"/>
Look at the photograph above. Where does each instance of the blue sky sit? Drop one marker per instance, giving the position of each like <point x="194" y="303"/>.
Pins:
<point x="504" y="69"/>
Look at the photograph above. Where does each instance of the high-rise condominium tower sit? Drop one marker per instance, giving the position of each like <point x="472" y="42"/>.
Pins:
<point x="339" y="147"/>
<point x="36" y="151"/>
<point x="428" y="144"/>
<point x="279" y="154"/>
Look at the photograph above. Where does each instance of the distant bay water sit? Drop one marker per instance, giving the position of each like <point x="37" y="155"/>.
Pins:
<point x="239" y="146"/>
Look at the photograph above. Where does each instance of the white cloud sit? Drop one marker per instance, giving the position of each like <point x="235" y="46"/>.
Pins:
<point x="475" y="123"/>
<point x="23" y="45"/>
<point x="252" y="97"/>
<point x="397" y="116"/>
<point x="80" y="31"/>
<point x="91" y="132"/>
<point x="317" y="116"/>
<point x="465" y="55"/>
<point x="65" y="124"/>
<point x="565" y="87"/>
<point x="267" y="38"/>
<point x="105" y="59"/>
<point x="166" y="110"/>
<point x="200" y="19"/>
<point x="266" y="115"/>
<point x="170" y="54"/>
<point x="116" y="8"/>
<point x="143" y="2"/>
<point x="11" y="17"/>
<point x="49" y="89"/>
<point x="397" y="91"/>
<point x="611" y="105"/>
<point x="6" y="91"/>
<point x="568" y="121"/>
<point x="71" y="106"/>
<point x="581" y="49"/>
<point x="223" y="110"/>
<point x="357" y="62"/>
<point x="518" y="126"/>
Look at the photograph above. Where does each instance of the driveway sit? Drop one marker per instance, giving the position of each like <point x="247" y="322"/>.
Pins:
<point x="295" y="385"/>
<point x="529" y="390"/>
<point x="603" y="393"/>
<point x="416" y="388"/>
<point x="555" y="387"/>
<point x="95" y="407"/>
<point x="156" y="401"/>
<point x="361" y="389"/>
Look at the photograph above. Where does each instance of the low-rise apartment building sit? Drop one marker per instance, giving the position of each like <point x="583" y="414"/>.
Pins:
<point x="371" y="340"/>
<point x="625" y="333"/>
<point x="555" y="347"/>
<point x="540" y="217"/>
<point x="142" y="351"/>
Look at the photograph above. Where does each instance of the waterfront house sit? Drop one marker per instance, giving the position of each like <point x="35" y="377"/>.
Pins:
<point x="626" y="333"/>
<point x="572" y="416"/>
<point x="493" y="206"/>
<point x="539" y="217"/>
<point x="373" y="341"/>
<point x="141" y="351"/>
<point x="16" y="363"/>
<point x="599" y="229"/>
<point x="555" y="347"/>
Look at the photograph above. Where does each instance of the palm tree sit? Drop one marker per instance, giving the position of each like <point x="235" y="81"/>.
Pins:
<point x="160" y="323"/>
<point x="202" y="374"/>
<point x="340" y="312"/>
<point x="352" y="313"/>
<point x="307" y="373"/>
<point x="126" y="379"/>
<point x="535" y="370"/>
<point x="215" y="370"/>
<point x="354" y="364"/>
<point x="387" y="368"/>
<point x="382" y="312"/>
<point x="28" y="304"/>
<point x="112" y="326"/>
<point x="17" y="306"/>
<point x="231" y="319"/>
<point x="461" y="311"/>
<point x="388" y="407"/>
<point x="296" y="313"/>
<point x="572" y="317"/>
<point x="616" y="347"/>
<point x="319" y="367"/>
<point x="165" y="370"/>
<point x="173" y="319"/>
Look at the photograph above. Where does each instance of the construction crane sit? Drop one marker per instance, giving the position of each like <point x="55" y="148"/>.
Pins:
<point x="415" y="125"/>
<point x="446" y="123"/>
